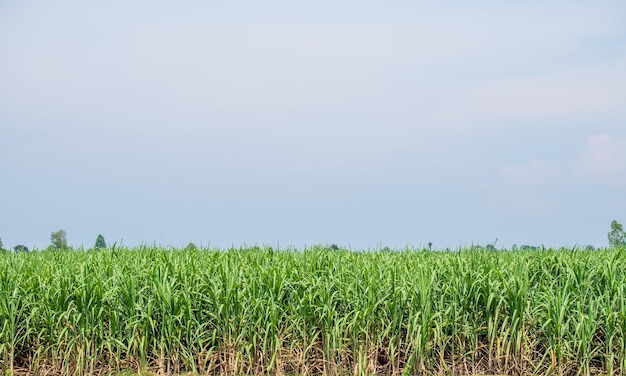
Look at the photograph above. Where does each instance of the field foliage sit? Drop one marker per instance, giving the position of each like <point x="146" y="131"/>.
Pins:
<point x="317" y="311"/>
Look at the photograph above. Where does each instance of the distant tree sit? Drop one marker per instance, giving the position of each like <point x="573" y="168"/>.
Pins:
<point x="1" y="245"/>
<point x="528" y="248"/>
<point x="58" y="240"/>
<point x="20" y="248"/>
<point x="490" y="247"/>
<point x="100" y="243"/>
<point x="617" y="236"/>
<point x="191" y="247"/>
<point x="430" y="246"/>
<point x="334" y="247"/>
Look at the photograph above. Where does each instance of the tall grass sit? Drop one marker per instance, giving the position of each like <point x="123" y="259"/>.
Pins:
<point x="318" y="311"/>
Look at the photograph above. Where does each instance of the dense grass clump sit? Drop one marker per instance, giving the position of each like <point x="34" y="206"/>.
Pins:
<point x="318" y="311"/>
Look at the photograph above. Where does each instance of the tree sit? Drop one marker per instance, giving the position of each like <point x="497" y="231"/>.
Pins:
<point x="100" y="243"/>
<point x="525" y="247"/>
<point x="20" y="248"/>
<point x="58" y="240"/>
<point x="617" y="236"/>
<point x="1" y="245"/>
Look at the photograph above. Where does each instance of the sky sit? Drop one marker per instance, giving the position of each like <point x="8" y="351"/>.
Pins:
<point x="358" y="123"/>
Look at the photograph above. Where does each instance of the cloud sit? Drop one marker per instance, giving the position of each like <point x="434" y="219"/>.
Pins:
<point x="533" y="173"/>
<point x="428" y="71"/>
<point x="545" y="187"/>
<point x="603" y="160"/>
<point x="327" y="98"/>
<point x="526" y="188"/>
<point x="566" y="94"/>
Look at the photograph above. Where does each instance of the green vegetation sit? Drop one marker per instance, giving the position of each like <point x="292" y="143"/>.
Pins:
<point x="20" y="248"/>
<point x="617" y="236"/>
<point x="100" y="243"/>
<point x="261" y="311"/>
<point x="58" y="240"/>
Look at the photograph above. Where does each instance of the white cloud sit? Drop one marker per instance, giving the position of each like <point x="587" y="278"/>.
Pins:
<point x="526" y="188"/>
<point x="603" y="160"/>
<point x="291" y="93"/>
<point x="565" y="94"/>
<point x="539" y="186"/>
<point x="535" y="172"/>
<point x="437" y="69"/>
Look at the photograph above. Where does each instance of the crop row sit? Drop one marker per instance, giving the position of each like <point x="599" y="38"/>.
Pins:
<point x="315" y="311"/>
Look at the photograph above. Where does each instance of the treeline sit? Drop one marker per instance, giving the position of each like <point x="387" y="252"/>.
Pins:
<point x="58" y="242"/>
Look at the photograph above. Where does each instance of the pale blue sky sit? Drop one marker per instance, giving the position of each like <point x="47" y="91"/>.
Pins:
<point x="360" y="123"/>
